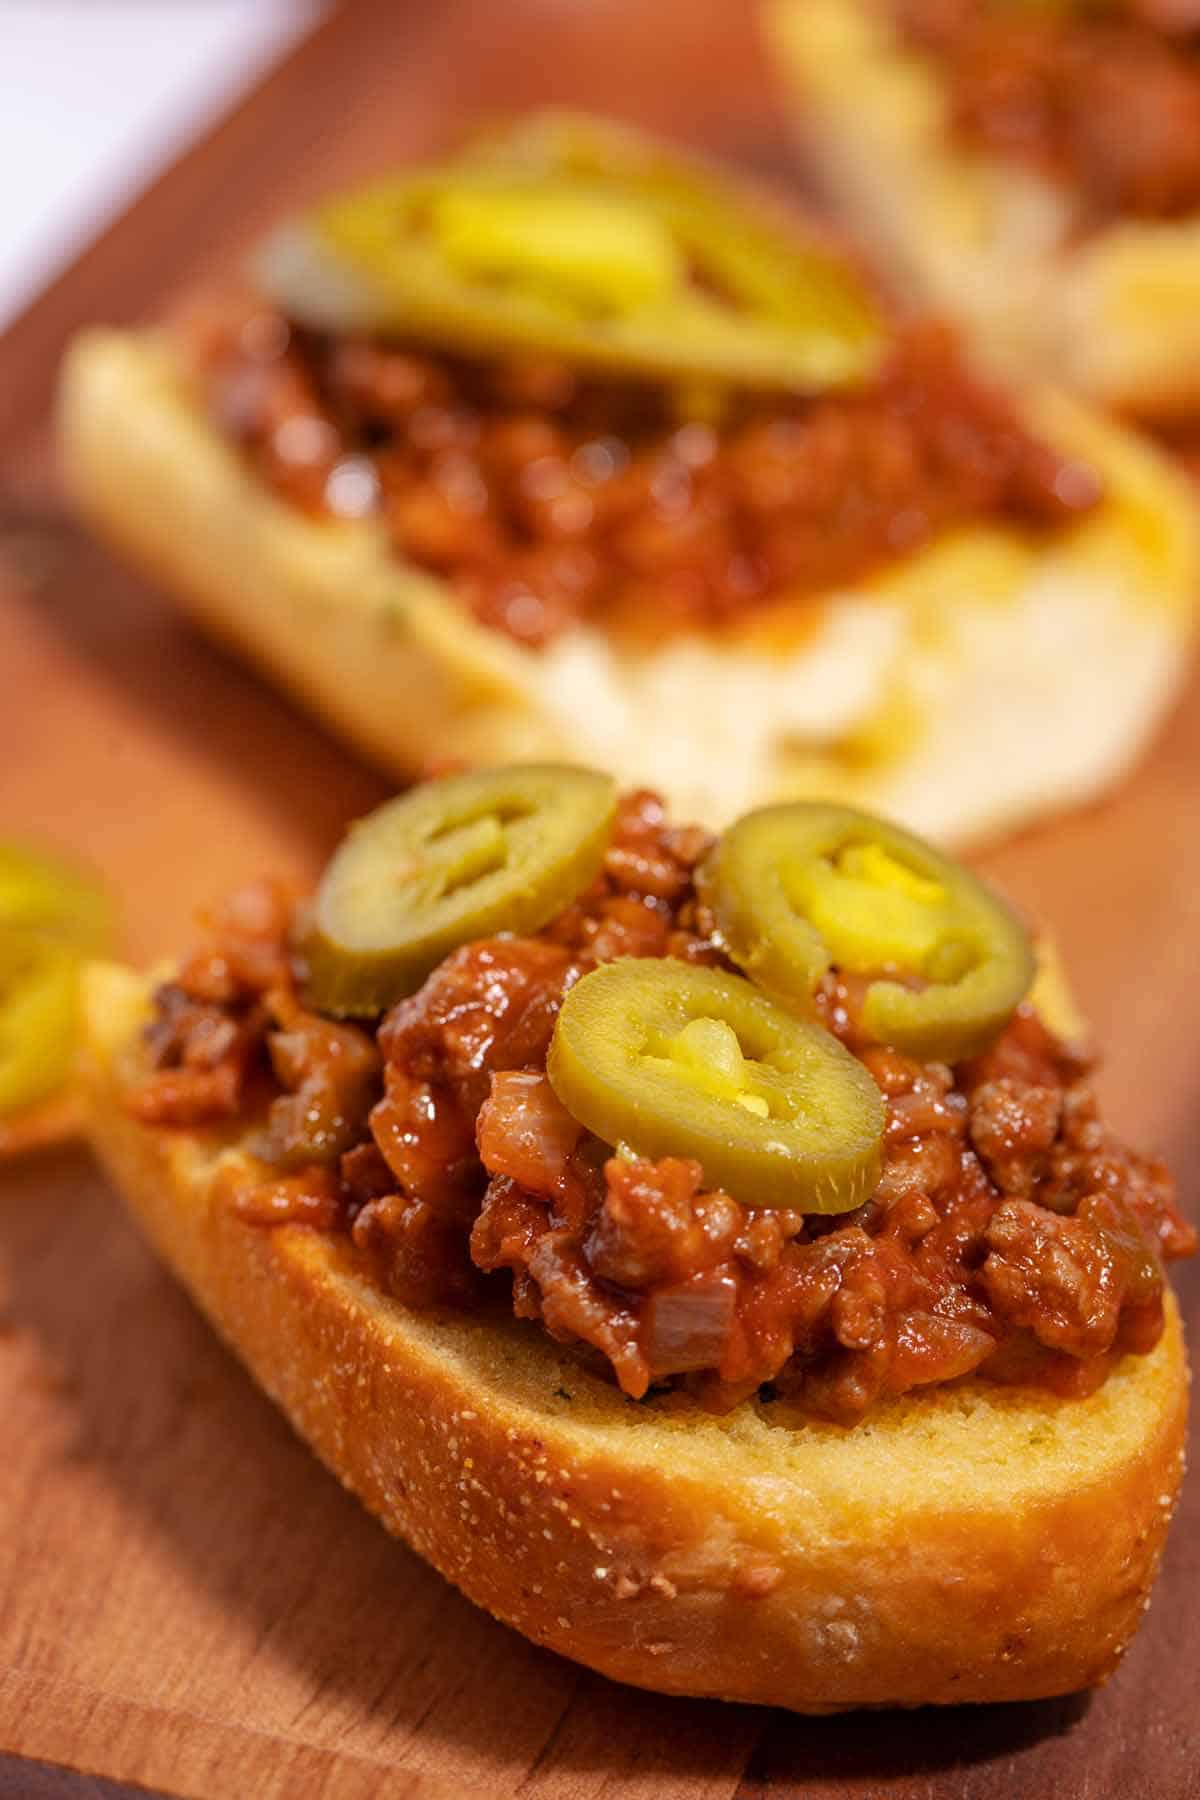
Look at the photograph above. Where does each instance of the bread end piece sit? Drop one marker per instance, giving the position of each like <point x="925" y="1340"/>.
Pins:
<point x="972" y="1544"/>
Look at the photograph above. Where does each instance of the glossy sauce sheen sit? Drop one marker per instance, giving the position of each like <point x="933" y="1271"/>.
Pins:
<point x="545" y="498"/>
<point x="1009" y="1236"/>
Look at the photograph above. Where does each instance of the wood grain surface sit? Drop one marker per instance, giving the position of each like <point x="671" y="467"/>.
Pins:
<point x="187" y="1601"/>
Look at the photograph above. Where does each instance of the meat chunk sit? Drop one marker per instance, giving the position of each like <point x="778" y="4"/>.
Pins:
<point x="1055" y="1277"/>
<point x="657" y="1226"/>
<point x="331" y="1077"/>
<point x="418" y="1249"/>
<point x="489" y="1006"/>
<point x="1013" y="1127"/>
<point x="428" y="1144"/>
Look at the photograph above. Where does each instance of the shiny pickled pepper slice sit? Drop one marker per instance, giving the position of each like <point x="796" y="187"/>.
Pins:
<point x="582" y="239"/>
<point x="52" y="915"/>
<point x="40" y="893"/>
<point x="595" y="250"/>
<point x="669" y="1059"/>
<point x="39" y="998"/>
<point x="455" y="859"/>
<point x="798" y="888"/>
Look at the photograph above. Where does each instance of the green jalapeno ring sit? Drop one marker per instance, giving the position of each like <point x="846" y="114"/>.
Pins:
<point x="798" y="888"/>
<point x="774" y="1109"/>
<point x="453" y="860"/>
<point x="771" y="309"/>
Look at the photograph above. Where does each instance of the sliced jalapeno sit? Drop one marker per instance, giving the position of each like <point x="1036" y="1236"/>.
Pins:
<point x="584" y="239"/>
<point x="456" y="859"/>
<point x="40" y="893"/>
<point x="51" y="916"/>
<point x="588" y="250"/>
<point x="798" y="888"/>
<point x="39" y="996"/>
<point x="675" y="1060"/>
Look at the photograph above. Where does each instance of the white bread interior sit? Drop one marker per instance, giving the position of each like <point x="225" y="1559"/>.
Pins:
<point x="982" y="683"/>
<point x="1113" y="313"/>
<point x="971" y="1543"/>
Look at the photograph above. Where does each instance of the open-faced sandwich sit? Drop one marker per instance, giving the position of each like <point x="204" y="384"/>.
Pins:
<point x="708" y="1253"/>
<point x="569" y="447"/>
<point x="1032" y="168"/>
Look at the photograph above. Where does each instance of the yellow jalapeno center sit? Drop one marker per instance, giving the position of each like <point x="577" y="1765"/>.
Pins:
<point x="668" y="1059"/>
<point x="707" y="1053"/>
<point x="593" y="251"/>
<point x="802" y="888"/>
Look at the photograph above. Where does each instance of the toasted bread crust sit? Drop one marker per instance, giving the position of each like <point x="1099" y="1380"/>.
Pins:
<point x="974" y="628"/>
<point x="971" y="1544"/>
<point x="1116" y="314"/>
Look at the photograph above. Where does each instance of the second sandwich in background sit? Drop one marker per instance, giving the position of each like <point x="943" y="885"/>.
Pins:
<point x="570" y="447"/>
<point x="1033" y="170"/>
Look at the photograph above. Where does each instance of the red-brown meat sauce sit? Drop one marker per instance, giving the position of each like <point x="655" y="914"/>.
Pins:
<point x="1110" y="105"/>
<point x="545" y="498"/>
<point x="1010" y="1235"/>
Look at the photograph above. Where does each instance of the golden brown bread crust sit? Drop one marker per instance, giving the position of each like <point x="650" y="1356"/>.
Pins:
<point x="934" y="693"/>
<point x="1114" y="313"/>
<point x="971" y="1544"/>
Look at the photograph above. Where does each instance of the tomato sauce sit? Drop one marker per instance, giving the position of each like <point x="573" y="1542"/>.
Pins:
<point x="1011" y="1236"/>
<point x="546" y="498"/>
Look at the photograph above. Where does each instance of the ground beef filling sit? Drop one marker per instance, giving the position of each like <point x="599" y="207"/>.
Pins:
<point x="1010" y="1236"/>
<point x="1110" y="107"/>
<point x="545" y="499"/>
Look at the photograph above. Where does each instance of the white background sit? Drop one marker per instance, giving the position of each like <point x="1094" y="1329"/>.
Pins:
<point x="96" y="96"/>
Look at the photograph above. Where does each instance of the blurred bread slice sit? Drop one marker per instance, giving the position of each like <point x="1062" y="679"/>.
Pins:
<point x="982" y="683"/>
<point x="980" y="237"/>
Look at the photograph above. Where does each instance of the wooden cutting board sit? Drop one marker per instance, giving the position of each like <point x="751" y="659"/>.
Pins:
<point x="187" y="1601"/>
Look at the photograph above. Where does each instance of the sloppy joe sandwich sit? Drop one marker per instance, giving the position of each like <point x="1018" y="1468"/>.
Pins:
<point x="1032" y="170"/>
<point x="708" y="1253"/>
<point x="570" y="446"/>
